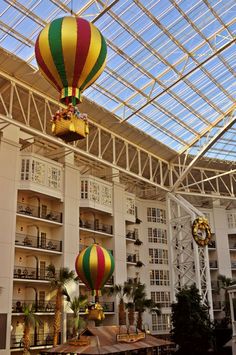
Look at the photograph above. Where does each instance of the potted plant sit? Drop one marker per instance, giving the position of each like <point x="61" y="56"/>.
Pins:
<point x="139" y="263"/>
<point x="138" y="242"/>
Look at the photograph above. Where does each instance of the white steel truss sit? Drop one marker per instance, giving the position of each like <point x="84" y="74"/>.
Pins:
<point x="190" y="263"/>
<point x="31" y="110"/>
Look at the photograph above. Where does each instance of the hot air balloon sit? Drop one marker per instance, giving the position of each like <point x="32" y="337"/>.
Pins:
<point x="71" y="55"/>
<point x="94" y="266"/>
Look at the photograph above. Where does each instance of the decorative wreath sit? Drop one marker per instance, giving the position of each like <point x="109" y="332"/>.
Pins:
<point x="201" y="231"/>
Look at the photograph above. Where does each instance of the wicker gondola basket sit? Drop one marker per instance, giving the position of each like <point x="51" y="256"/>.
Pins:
<point x="95" y="314"/>
<point x="70" y="129"/>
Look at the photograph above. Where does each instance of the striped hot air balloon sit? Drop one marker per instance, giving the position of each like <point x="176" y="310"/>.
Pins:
<point x="71" y="54"/>
<point x="94" y="266"/>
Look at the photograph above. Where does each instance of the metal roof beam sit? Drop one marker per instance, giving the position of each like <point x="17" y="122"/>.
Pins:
<point x="208" y="145"/>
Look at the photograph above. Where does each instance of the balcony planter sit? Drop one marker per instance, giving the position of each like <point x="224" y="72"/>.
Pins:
<point x="139" y="263"/>
<point x="138" y="242"/>
<point x="138" y="221"/>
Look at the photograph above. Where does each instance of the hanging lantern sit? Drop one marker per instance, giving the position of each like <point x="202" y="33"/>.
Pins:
<point x="71" y="55"/>
<point x="94" y="266"/>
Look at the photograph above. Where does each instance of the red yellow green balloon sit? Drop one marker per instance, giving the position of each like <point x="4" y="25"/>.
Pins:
<point x="94" y="266"/>
<point x="71" y="54"/>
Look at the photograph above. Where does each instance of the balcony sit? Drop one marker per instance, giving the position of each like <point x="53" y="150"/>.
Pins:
<point x="131" y="236"/>
<point x="213" y="264"/>
<point x="31" y="241"/>
<point x="233" y="264"/>
<point x="37" y="212"/>
<point x="212" y="244"/>
<point x="232" y="245"/>
<point x="131" y="258"/>
<point x="217" y="305"/>
<point x="30" y="273"/>
<point x="96" y="226"/>
<point x="36" y="340"/>
<point x="38" y="306"/>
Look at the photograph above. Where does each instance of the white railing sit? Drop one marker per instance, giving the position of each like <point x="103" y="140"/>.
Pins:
<point x="96" y="193"/>
<point x="41" y="174"/>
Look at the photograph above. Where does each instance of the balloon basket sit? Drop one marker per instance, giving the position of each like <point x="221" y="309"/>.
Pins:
<point x="70" y="129"/>
<point x="95" y="314"/>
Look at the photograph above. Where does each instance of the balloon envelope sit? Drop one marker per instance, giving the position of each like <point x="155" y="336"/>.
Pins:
<point x="71" y="54"/>
<point x="94" y="266"/>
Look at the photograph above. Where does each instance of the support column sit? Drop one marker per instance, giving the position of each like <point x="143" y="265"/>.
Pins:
<point x="9" y="174"/>
<point x="70" y="223"/>
<point x="222" y="240"/>
<point x="120" y="273"/>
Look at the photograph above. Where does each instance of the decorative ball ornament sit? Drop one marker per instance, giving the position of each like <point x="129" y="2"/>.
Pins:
<point x="201" y="231"/>
<point x="71" y="54"/>
<point x="94" y="266"/>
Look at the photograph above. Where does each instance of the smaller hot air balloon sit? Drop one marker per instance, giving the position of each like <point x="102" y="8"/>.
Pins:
<point x="94" y="266"/>
<point x="71" y="55"/>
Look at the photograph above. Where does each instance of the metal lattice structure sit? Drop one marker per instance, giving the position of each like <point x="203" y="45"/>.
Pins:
<point x="190" y="263"/>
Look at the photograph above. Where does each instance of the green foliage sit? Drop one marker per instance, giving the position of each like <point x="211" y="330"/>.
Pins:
<point x="58" y="281"/>
<point x="76" y="304"/>
<point x="192" y="328"/>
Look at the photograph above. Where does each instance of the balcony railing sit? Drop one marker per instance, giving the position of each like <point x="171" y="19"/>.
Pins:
<point x="131" y="235"/>
<point x="131" y="258"/>
<point x="38" y="306"/>
<point x="35" y="340"/>
<point x="213" y="264"/>
<point x="96" y="226"/>
<point x="232" y="245"/>
<point x="30" y="273"/>
<point x="233" y="264"/>
<point x="32" y="241"/>
<point x="38" y="212"/>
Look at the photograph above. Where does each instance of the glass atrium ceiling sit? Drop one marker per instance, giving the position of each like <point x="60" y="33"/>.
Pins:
<point x="171" y="63"/>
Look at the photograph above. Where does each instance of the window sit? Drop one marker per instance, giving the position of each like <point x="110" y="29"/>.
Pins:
<point x="159" y="277"/>
<point x="156" y="215"/>
<point x="231" y="220"/>
<point x="25" y="163"/>
<point x="84" y="189"/>
<point x="130" y="205"/>
<point x="158" y="256"/>
<point x="157" y="235"/>
<point x="161" y="298"/>
<point x="161" y="322"/>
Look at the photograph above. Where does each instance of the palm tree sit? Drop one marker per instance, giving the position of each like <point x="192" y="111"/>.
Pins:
<point x="138" y="302"/>
<point x="30" y="321"/>
<point x="76" y="304"/>
<point x="131" y="291"/>
<point x="142" y="303"/>
<point x="121" y="291"/>
<point x="58" y="283"/>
